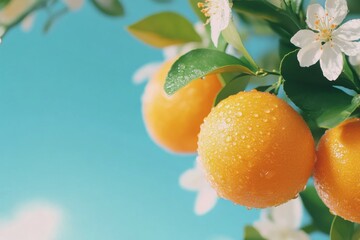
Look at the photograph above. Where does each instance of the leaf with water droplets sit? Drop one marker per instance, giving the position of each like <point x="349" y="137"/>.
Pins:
<point x="200" y="62"/>
<point x="164" y="29"/>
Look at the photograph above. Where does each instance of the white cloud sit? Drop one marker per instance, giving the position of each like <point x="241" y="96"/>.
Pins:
<point x="35" y="221"/>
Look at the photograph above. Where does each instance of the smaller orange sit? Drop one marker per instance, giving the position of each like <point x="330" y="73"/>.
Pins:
<point x="337" y="170"/>
<point x="174" y="121"/>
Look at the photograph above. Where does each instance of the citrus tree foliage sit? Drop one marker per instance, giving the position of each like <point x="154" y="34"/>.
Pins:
<point x="315" y="66"/>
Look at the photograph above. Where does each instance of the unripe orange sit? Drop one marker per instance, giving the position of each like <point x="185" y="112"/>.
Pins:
<point x="337" y="170"/>
<point x="256" y="150"/>
<point x="174" y="121"/>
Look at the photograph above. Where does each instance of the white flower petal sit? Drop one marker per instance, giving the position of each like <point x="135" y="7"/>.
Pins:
<point x="349" y="48"/>
<point x="74" y="5"/>
<point x="355" y="60"/>
<point x="337" y="9"/>
<point x="314" y="12"/>
<point x="145" y="72"/>
<point x="288" y="215"/>
<point x="220" y="17"/>
<point x="191" y="180"/>
<point x="348" y="31"/>
<point x="303" y="38"/>
<point x="331" y="61"/>
<point x="310" y="54"/>
<point x="28" y="22"/>
<point x="215" y="30"/>
<point x="265" y="226"/>
<point x="205" y="201"/>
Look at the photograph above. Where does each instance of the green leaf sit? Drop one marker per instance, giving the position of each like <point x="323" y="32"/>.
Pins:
<point x="285" y="47"/>
<point x="232" y="88"/>
<point x="251" y="233"/>
<point x="349" y="76"/>
<point x="295" y="5"/>
<point x="53" y="18"/>
<point x="164" y="29"/>
<point x="356" y="235"/>
<point x="341" y="229"/>
<point x="109" y="7"/>
<point x="317" y="97"/>
<point x="201" y="62"/>
<point x="269" y="12"/>
<point x="320" y="214"/>
<point x="16" y="16"/>
<point x="197" y="10"/>
<point x="3" y="3"/>
<point x="354" y="6"/>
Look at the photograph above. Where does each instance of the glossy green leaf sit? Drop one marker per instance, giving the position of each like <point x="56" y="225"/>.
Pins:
<point x="341" y="229"/>
<point x="251" y="233"/>
<point x="322" y="218"/>
<point x="109" y="7"/>
<point x="164" y="29"/>
<point x="232" y="88"/>
<point x="201" y="62"/>
<point x="269" y="12"/>
<point x="317" y="97"/>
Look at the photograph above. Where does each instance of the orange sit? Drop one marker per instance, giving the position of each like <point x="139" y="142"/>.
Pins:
<point x="256" y="150"/>
<point x="337" y="170"/>
<point x="174" y="121"/>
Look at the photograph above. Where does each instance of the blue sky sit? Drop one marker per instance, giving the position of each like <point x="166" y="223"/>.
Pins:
<point x="72" y="134"/>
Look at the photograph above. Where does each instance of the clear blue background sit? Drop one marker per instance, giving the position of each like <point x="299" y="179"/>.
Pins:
<point x="71" y="133"/>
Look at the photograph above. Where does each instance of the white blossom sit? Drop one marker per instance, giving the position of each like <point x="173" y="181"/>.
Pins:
<point x="327" y="39"/>
<point x="282" y="222"/>
<point x="219" y="16"/>
<point x="194" y="180"/>
<point x="355" y="60"/>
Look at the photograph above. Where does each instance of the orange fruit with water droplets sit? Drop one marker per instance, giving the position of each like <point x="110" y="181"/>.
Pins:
<point x="256" y="150"/>
<point x="174" y="121"/>
<point x="337" y="169"/>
